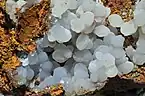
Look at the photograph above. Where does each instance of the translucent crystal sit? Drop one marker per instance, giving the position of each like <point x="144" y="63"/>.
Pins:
<point x="83" y="56"/>
<point x="33" y="58"/>
<point x="47" y="66"/>
<point x="99" y="75"/>
<point x="87" y="18"/>
<point x="43" y="75"/>
<point x="99" y="10"/>
<point x="22" y="71"/>
<point x="42" y="57"/>
<point x="117" y="41"/>
<point x="77" y="25"/>
<point x="96" y="44"/>
<point x="112" y="71"/>
<point x="61" y="54"/>
<point x="60" y="33"/>
<point x="30" y="73"/>
<point x="109" y="60"/>
<point x="66" y="19"/>
<point x="139" y="17"/>
<point x="88" y="5"/>
<point x="118" y="52"/>
<point x="99" y="55"/>
<point x="128" y="28"/>
<point x="59" y="7"/>
<point x="102" y="31"/>
<point x="125" y="67"/>
<point x="45" y="42"/>
<point x="107" y="39"/>
<point x="72" y="4"/>
<point x="82" y="41"/>
<point x="95" y="65"/>
<point x="94" y="77"/>
<point x="121" y="60"/>
<point x="48" y="81"/>
<point x="80" y="69"/>
<point x="81" y="85"/>
<point x="50" y="37"/>
<point x="130" y="51"/>
<point x="115" y="20"/>
<point x="59" y="73"/>
<point x="103" y="49"/>
<point x="79" y="11"/>
<point x="89" y="29"/>
<point x="69" y="64"/>
<point x="90" y="44"/>
<point x="139" y="59"/>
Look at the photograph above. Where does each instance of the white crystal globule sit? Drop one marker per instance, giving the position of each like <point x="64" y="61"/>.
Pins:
<point x="107" y="39"/>
<point x="66" y="19"/>
<point x="139" y="59"/>
<point x="47" y="66"/>
<point x="77" y="25"/>
<point x="112" y="71"/>
<point x="50" y="37"/>
<point x="42" y="57"/>
<point x="87" y="18"/>
<point x="72" y="4"/>
<point x="125" y="67"/>
<point x="99" y="10"/>
<point x="59" y="73"/>
<point x="61" y="54"/>
<point x="60" y="33"/>
<point x="109" y="60"/>
<point x="30" y="73"/>
<point x="121" y="60"/>
<point x="59" y="7"/>
<point x="82" y="41"/>
<point x="88" y="5"/>
<point x="94" y="77"/>
<point x="101" y="75"/>
<point x="99" y="55"/>
<point x="80" y="69"/>
<point x="45" y="41"/>
<point x="139" y="17"/>
<point x="83" y="56"/>
<point x="48" y="81"/>
<point x="43" y="75"/>
<point x="128" y="28"/>
<point x="115" y="20"/>
<point x="102" y="31"/>
<point x="96" y="44"/>
<point x="118" y="52"/>
<point x="117" y="41"/>
<point x="130" y="51"/>
<point x="22" y="72"/>
<point x="103" y="49"/>
<point x="79" y="11"/>
<point x="95" y="65"/>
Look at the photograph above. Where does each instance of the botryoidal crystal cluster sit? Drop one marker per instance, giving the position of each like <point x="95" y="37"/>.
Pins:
<point x="85" y="44"/>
